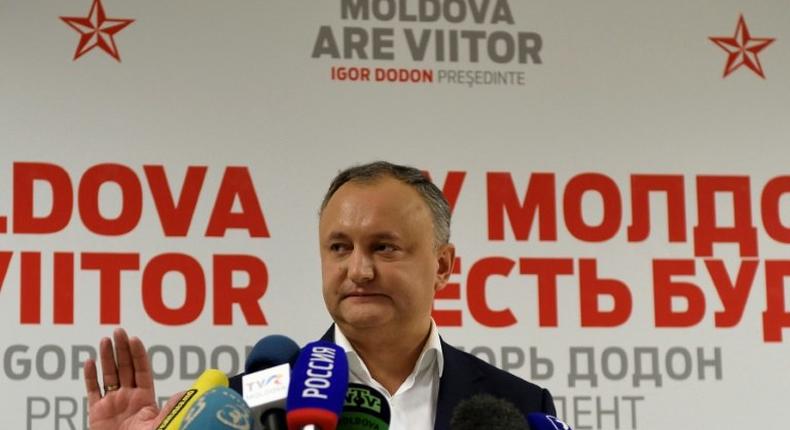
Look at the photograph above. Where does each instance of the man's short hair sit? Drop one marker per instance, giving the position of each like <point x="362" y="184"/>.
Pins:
<point x="430" y="193"/>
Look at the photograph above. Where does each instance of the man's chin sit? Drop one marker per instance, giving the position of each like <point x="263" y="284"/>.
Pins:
<point x="365" y="320"/>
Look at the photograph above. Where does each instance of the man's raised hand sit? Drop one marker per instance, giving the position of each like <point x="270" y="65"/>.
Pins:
<point x="126" y="400"/>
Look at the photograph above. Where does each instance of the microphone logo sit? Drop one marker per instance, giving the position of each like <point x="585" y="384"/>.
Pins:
<point x="541" y="421"/>
<point x="559" y="425"/>
<point x="234" y="417"/>
<point x="266" y="385"/>
<point x="273" y="380"/>
<point x="362" y="398"/>
<point x="320" y="366"/>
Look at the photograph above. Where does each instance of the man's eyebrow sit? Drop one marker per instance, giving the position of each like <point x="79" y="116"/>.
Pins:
<point x="386" y="235"/>
<point x="337" y="235"/>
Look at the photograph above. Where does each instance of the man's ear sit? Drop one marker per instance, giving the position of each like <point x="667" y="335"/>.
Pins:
<point x="445" y="258"/>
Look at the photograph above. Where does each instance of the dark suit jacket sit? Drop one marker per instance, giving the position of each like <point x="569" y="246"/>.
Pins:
<point x="465" y="375"/>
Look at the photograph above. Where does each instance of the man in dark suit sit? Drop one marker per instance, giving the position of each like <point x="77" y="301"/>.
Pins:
<point x="384" y="238"/>
<point x="384" y="241"/>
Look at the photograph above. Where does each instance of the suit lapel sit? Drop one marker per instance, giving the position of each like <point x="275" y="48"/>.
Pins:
<point x="329" y="336"/>
<point x="457" y="383"/>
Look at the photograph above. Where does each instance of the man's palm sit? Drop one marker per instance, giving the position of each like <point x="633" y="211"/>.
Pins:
<point x="129" y="400"/>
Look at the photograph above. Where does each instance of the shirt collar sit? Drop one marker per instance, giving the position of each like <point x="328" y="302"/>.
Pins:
<point x="431" y="350"/>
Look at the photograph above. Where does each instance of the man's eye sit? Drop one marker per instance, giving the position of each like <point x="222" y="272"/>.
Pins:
<point x="385" y="247"/>
<point x="338" y="247"/>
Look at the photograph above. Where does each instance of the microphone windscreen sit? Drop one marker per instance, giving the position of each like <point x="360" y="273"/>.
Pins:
<point x="365" y="409"/>
<point x="318" y="386"/>
<point x="538" y="421"/>
<point x="210" y="378"/>
<point x="219" y="409"/>
<point x="483" y="411"/>
<point x="271" y="351"/>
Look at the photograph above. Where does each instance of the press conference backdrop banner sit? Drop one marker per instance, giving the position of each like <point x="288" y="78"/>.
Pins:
<point x="618" y="173"/>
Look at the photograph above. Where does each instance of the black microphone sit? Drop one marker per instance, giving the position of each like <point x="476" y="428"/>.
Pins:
<point x="364" y="409"/>
<point x="264" y="384"/>
<point x="484" y="411"/>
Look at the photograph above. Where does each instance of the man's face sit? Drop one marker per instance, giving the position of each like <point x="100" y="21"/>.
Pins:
<point x="378" y="261"/>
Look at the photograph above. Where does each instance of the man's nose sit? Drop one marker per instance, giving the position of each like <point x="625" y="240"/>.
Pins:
<point x="360" y="267"/>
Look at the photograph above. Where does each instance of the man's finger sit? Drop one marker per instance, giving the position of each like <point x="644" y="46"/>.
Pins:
<point x="91" y="382"/>
<point x="109" y="370"/>
<point x="124" y="358"/>
<point x="142" y="368"/>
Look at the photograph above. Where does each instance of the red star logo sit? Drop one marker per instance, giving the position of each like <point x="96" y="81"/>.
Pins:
<point x="96" y="30"/>
<point x="742" y="49"/>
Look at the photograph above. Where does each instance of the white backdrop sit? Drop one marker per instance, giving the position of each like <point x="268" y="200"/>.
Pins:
<point x="622" y="89"/>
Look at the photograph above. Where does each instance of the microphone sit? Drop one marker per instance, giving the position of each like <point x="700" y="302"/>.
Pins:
<point x="365" y="409"/>
<point x="483" y="411"/>
<point x="268" y="352"/>
<point x="210" y="378"/>
<point x="265" y="392"/>
<point x="264" y="385"/>
<point x="538" y="421"/>
<point x="318" y="387"/>
<point x="271" y="351"/>
<point x="219" y="409"/>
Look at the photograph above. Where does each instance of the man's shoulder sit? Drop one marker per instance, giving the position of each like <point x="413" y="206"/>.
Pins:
<point x="481" y="377"/>
<point x="487" y="373"/>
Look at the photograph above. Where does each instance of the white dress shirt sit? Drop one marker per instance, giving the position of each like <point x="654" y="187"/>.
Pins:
<point x="413" y="406"/>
